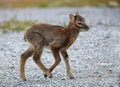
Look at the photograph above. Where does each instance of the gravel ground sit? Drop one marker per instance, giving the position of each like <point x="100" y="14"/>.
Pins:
<point x="94" y="57"/>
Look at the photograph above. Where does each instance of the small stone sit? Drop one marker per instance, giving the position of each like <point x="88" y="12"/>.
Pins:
<point x="63" y="78"/>
<point x="99" y="76"/>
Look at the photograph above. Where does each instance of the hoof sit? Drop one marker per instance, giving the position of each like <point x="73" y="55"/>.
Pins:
<point x="45" y="75"/>
<point x="24" y="79"/>
<point x="50" y="76"/>
<point x="71" y="77"/>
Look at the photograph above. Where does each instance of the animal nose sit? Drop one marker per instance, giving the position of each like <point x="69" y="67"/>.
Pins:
<point x="87" y="27"/>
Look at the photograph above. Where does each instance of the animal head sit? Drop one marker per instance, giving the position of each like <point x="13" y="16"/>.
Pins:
<point x="78" y="22"/>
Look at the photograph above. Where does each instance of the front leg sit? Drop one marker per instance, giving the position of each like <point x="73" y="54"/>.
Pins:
<point x="37" y="60"/>
<point x="66" y="59"/>
<point x="55" y="52"/>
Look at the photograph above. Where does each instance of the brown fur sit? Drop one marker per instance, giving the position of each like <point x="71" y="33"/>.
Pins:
<point x="57" y="38"/>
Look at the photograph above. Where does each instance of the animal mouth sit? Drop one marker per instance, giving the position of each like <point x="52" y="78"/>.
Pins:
<point x="83" y="30"/>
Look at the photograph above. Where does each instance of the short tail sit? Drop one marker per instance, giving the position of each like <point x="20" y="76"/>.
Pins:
<point x="25" y="38"/>
<point x="25" y="33"/>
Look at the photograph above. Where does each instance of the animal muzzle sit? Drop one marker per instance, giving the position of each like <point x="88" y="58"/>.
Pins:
<point x="86" y="27"/>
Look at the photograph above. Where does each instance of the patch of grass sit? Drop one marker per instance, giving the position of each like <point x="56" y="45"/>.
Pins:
<point x="42" y="5"/>
<point x="14" y="25"/>
<point x="57" y="3"/>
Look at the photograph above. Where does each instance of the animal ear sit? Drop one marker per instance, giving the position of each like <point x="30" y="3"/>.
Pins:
<point x="72" y="17"/>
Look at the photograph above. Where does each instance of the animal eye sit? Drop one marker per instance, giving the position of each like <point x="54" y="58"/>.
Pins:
<point x="79" y="23"/>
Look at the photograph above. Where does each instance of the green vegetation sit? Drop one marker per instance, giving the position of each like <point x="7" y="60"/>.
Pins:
<point x="57" y="3"/>
<point x="15" y="25"/>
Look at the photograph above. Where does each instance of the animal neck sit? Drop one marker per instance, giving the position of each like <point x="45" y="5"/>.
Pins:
<point x="73" y="34"/>
<point x="73" y="31"/>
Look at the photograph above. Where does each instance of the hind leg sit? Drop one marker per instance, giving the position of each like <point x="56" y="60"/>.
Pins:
<point x="39" y="63"/>
<point x="24" y="57"/>
<point x="39" y="42"/>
